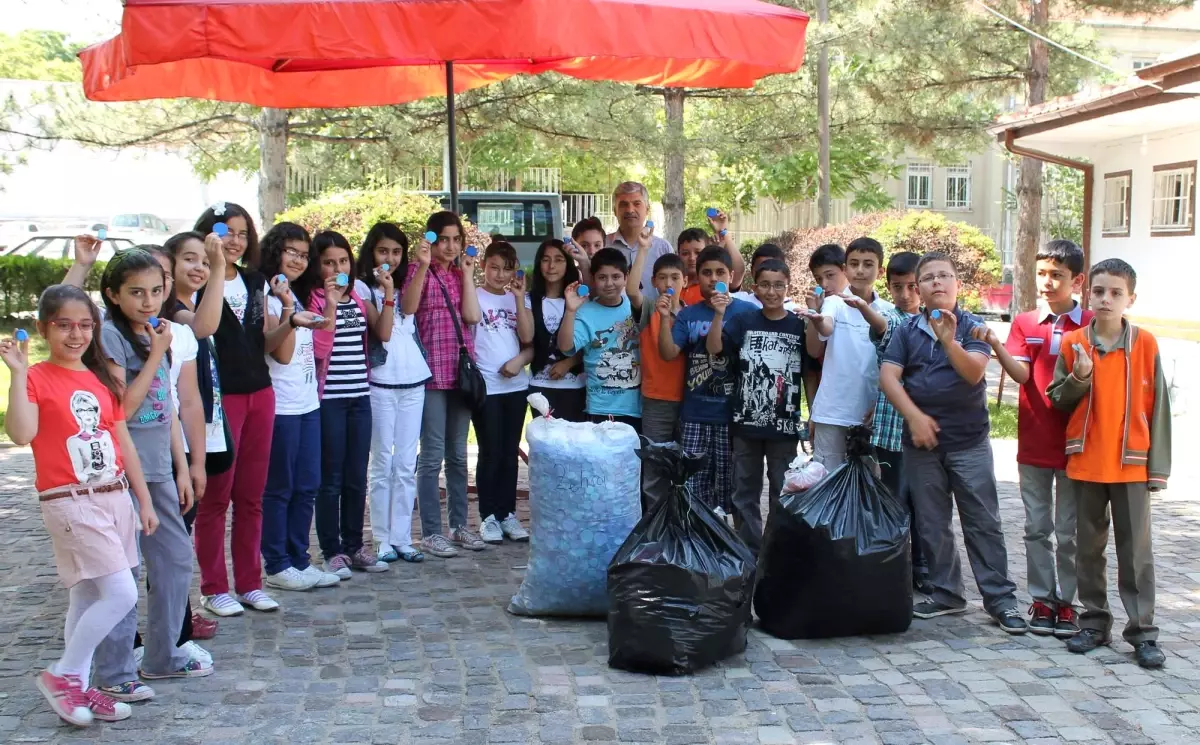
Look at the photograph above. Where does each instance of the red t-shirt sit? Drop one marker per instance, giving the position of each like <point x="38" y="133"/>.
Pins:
<point x="1035" y="338"/>
<point x="75" y="442"/>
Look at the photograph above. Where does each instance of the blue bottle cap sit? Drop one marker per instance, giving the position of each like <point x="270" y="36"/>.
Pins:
<point x="472" y="251"/>
<point x="722" y="233"/>
<point x="386" y="267"/>
<point x="650" y="225"/>
<point x="583" y="291"/>
<point x="712" y="212"/>
<point x="342" y="279"/>
<point x="818" y="291"/>
<point x="22" y="335"/>
<point x="221" y="229"/>
<point x="670" y="291"/>
<point x="154" y="322"/>
<point x="281" y="277"/>
<point x="431" y="237"/>
<point x="520" y="274"/>
<point x="567" y="240"/>
<point x="935" y="313"/>
<point x="102" y="234"/>
<point x="722" y="287"/>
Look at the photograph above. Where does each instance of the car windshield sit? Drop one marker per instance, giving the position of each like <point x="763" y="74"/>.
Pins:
<point x="125" y="221"/>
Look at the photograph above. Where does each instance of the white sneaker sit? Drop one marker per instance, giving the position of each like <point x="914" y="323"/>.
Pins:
<point x="222" y="605"/>
<point x="290" y="579"/>
<point x="259" y="600"/>
<point x="513" y="530"/>
<point x="321" y="579"/>
<point x="196" y="651"/>
<point x="490" y="531"/>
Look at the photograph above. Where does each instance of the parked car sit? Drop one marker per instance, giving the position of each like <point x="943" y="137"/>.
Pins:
<point x="13" y="232"/>
<point x="63" y="247"/>
<point x="139" y="228"/>
<point x="525" y="219"/>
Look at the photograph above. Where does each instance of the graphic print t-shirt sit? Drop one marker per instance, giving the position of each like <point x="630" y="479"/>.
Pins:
<point x="709" y="381"/>
<point x="295" y="383"/>
<point x="237" y="296"/>
<point x="496" y="342"/>
<point x="75" y="443"/>
<point x="608" y="337"/>
<point x="771" y="374"/>
<point x="150" y="427"/>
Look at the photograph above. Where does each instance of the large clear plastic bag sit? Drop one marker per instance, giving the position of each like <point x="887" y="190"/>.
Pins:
<point x="836" y="558"/>
<point x="680" y="588"/>
<point x="584" y="498"/>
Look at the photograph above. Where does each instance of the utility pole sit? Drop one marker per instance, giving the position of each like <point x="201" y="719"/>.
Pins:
<point x="823" y="120"/>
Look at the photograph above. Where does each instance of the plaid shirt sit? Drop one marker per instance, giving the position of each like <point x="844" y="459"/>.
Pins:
<point x="888" y="423"/>
<point x="435" y="326"/>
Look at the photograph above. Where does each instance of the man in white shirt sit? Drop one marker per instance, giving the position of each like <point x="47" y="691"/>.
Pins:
<point x="631" y="203"/>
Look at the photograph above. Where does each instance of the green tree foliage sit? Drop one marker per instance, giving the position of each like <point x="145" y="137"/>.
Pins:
<point x="38" y="55"/>
<point x="352" y="213"/>
<point x="974" y="254"/>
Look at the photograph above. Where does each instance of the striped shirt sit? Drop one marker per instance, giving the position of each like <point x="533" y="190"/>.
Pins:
<point x="347" y="377"/>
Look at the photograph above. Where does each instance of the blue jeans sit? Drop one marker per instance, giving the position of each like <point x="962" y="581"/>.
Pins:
<point x="293" y="477"/>
<point x="444" y="424"/>
<point x="345" y="450"/>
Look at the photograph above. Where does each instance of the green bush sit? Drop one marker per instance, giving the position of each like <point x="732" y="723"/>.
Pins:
<point x="974" y="254"/>
<point x="353" y="212"/>
<point x="22" y="279"/>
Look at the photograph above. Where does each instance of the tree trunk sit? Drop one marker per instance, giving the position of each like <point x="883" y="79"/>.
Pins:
<point x="823" y="189"/>
<point x="272" y="169"/>
<point x="673" y="198"/>
<point x="1029" y="182"/>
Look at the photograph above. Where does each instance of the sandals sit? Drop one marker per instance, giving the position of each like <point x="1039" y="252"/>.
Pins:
<point x="412" y="555"/>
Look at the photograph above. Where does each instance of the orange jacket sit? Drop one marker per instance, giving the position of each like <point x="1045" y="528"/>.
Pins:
<point x="1120" y="425"/>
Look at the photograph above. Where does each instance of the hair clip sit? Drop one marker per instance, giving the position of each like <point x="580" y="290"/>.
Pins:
<point x="219" y="209"/>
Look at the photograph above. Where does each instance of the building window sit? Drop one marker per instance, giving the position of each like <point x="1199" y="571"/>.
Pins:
<point x="1118" y="189"/>
<point x="1143" y="62"/>
<point x="958" y="188"/>
<point x="1173" y="204"/>
<point x="920" y="185"/>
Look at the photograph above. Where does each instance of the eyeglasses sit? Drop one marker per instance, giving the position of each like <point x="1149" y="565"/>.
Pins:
<point x="66" y="326"/>
<point x="942" y="277"/>
<point x="775" y="286"/>
<point x="295" y="255"/>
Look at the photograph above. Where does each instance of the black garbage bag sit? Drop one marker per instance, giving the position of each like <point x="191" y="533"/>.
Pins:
<point x="680" y="587"/>
<point x="836" y="559"/>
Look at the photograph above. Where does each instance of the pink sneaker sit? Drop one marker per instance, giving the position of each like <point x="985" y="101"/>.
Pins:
<point x="106" y="708"/>
<point x="65" y="695"/>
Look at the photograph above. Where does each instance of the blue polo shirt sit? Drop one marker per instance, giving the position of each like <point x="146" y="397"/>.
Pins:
<point x="959" y="408"/>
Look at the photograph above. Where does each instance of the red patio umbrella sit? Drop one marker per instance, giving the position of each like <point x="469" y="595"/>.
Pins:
<point x="343" y="53"/>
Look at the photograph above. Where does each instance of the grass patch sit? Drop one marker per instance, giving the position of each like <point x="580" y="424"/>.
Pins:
<point x="37" y="353"/>
<point x="1004" y="420"/>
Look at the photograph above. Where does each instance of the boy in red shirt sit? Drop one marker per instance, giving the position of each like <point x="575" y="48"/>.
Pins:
<point x="1050" y="497"/>
<point x="1110" y="378"/>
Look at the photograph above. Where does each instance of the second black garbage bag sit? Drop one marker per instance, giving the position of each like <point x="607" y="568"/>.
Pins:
<point x="836" y="558"/>
<point x="680" y="587"/>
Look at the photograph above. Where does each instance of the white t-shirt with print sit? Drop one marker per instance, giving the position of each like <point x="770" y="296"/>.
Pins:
<point x="496" y="342"/>
<point x="850" y="370"/>
<point x="552" y="315"/>
<point x="295" y="383"/>
<point x="183" y="349"/>
<point x="405" y="364"/>
<point x="236" y="296"/>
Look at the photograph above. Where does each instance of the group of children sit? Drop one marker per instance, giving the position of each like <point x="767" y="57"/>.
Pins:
<point x="289" y="378"/>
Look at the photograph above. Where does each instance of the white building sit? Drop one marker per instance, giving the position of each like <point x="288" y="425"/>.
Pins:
<point x="1138" y="144"/>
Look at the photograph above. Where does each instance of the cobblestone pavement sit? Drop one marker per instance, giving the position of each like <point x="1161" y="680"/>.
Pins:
<point x="426" y="654"/>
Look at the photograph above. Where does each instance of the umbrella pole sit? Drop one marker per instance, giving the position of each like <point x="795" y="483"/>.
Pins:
<point x="452" y="137"/>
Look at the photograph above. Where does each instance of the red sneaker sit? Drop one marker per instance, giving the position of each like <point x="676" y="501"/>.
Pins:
<point x="202" y="627"/>
<point x="65" y="695"/>
<point x="106" y="708"/>
<point x="1042" y="621"/>
<point x="1068" y="622"/>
